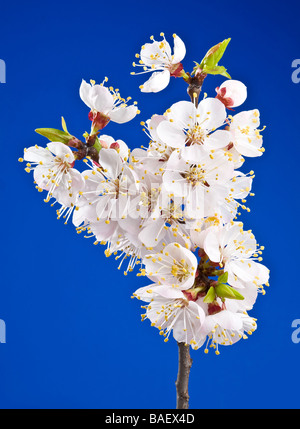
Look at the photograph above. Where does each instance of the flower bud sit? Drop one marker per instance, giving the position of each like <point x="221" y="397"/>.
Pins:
<point x="214" y="308"/>
<point x="76" y="143"/>
<point x="115" y="146"/>
<point x="232" y="93"/>
<point x="99" y="120"/>
<point x="176" y="69"/>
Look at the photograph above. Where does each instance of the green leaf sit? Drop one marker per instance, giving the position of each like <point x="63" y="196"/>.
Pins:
<point x="223" y="278"/>
<point x="213" y="56"/>
<point x="225" y="291"/>
<point x="64" y="125"/>
<point x="210" y="296"/>
<point x="55" y="135"/>
<point x="97" y="145"/>
<point x="217" y="70"/>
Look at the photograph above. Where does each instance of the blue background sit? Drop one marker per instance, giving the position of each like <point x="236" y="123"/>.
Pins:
<point x="74" y="336"/>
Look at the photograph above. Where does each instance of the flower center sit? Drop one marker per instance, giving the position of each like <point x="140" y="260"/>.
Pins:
<point x="212" y="220"/>
<point x="180" y="270"/>
<point x="195" y="135"/>
<point x="62" y="164"/>
<point x="195" y="175"/>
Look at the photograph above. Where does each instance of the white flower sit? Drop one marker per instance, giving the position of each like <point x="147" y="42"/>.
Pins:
<point x="190" y="125"/>
<point x="170" y="310"/>
<point x="174" y="266"/>
<point x="204" y="180"/>
<point x="236" y="251"/>
<point x="164" y="223"/>
<point x="245" y="135"/>
<point x="120" y="146"/>
<point x="202" y="227"/>
<point x="157" y="57"/>
<point x="224" y="328"/>
<point x="54" y="172"/>
<point x="106" y="104"/>
<point x="107" y="196"/>
<point x="232" y="93"/>
<point x="125" y="245"/>
<point x="157" y="153"/>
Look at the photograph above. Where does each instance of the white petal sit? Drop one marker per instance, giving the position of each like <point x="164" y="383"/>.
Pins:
<point x="228" y="320"/>
<point x="157" y="82"/>
<point x="247" y="118"/>
<point x="194" y="153"/>
<point x="248" y="146"/>
<point x="84" y="212"/>
<point x="102" y="207"/>
<point x="249" y="271"/>
<point x="218" y="139"/>
<point x="188" y="323"/>
<point x="106" y="141"/>
<point x="61" y="151"/>
<point x="211" y="247"/>
<point x="174" y="183"/>
<point x="151" y="53"/>
<point x="40" y="175"/>
<point x="183" y="113"/>
<point x="78" y="182"/>
<point x="179" y="50"/>
<point x="152" y="233"/>
<point x="101" y="98"/>
<point x="123" y="150"/>
<point x="121" y="115"/>
<point x="102" y="230"/>
<point x="168" y="292"/>
<point x="241" y="186"/>
<point x="38" y="154"/>
<point x="212" y="113"/>
<point x="171" y="135"/>
<point x="84" y="92"/>
<point x="111" y="162"/>
<point x="152" y="125"/>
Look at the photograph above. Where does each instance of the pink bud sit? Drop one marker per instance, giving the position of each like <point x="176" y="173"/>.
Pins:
<point x="99" y="120"/>
<point x="176" y="69"/>
<point x="115" y="146"/>
<point x="232" y="93"/>
<point x="214" y="308"/>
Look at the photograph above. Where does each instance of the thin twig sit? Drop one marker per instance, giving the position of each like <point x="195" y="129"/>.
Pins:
<point x="195" y="86"/>
<point x="184" y="358"/>
<point x="182" y="382"/>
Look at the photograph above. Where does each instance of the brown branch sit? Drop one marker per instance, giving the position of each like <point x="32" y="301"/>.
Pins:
<point x="182" y="382"/>
<point x="184" y="358"/>
<point x="195" y="86"/>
